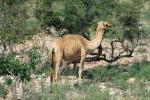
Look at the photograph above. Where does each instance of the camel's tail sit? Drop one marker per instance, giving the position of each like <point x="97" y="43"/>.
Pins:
<point x="52" y="64"/>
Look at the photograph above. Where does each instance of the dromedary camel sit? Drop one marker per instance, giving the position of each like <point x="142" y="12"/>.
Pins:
<point x="74" y="47"/>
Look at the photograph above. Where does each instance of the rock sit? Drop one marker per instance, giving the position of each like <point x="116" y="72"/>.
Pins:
<point x="37" y="85"/>
<point x="1" y="98"/>
<point x="131" y="80"/>
<point x="103" y="86"/>
<point x="19" y="90"/>
<point x="147" y="84"/>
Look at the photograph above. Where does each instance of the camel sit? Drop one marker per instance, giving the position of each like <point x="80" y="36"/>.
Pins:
<point x="73" y="48"/>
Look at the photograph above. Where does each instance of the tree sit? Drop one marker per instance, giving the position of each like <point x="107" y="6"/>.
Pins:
<point x="15" y="24"/>
<point x="10" y="65"/>
<point x="80" y="15"/>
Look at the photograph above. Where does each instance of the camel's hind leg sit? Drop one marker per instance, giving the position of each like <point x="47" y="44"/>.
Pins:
<point x="74" y="67"/>
<point x="52" y="75"/>
<point x="58" y="63"/>
<point x="52" y="65"/>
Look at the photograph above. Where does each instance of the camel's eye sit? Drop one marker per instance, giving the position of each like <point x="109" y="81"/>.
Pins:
<point x="106" y="25"/>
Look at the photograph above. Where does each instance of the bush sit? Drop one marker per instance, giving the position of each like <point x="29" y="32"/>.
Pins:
<point x="102" y="73"/>
<point x="32" y="24"/>
<point x="52" y="92"/>
<point x="140" y="70"/>
<point x="93" y="92"/>
<point x="144" y="71"/>
<point x="45" y="68"/>
<point x="3" y="91"/>
<point x="10" y="65"/>
<point x="118" y="76"/>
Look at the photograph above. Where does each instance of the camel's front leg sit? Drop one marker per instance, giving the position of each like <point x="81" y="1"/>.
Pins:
<point x="99" y="51"/>
<point x="81" y="65"/>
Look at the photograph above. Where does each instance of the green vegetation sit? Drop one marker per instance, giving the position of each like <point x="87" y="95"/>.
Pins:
<point x="112" y="76"/>
<point x="21" y="19"/>
<point x="45" y="68"/>
<point x="15" y="24"/>
<point x="3" y="91"/>
<point x="141" y="50"/>
<point x="10" y="65"/>
<point x="119" y="76"/>
<point x="80" y="15"/>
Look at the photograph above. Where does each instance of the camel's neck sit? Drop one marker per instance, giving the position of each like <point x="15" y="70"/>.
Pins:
<point x="93" y="44"/>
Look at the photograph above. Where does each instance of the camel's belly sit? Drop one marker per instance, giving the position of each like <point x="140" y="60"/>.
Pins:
<point x="71" y="56"/>
<point x="72" y="50"/>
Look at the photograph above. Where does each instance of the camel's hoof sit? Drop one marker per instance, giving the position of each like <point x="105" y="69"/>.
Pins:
<point x="77" y="84"/>
<point x="60" y="78"/>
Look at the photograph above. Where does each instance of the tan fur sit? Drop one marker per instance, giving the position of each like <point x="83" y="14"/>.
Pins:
<point x="74" y="47"/>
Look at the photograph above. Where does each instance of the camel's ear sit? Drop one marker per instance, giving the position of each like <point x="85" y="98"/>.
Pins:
<point x="107" y="24"/>
<point x="104" y="24"/>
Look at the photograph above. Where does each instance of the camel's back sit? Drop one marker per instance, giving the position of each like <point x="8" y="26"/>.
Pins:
<point x="72" y="46"/>
<point x="74" y="40"/>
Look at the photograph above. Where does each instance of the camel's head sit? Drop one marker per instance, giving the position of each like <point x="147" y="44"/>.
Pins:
<point x="103" y="25"/>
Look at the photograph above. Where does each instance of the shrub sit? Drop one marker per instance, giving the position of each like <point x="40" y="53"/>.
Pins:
<point x="10" y="65"/>
<point x="144" y="71"/>
<point x="52" y="92"/>
<point x="3" y="91"/>
<point x="32" y="24"/>
<point x="45" y="68"/>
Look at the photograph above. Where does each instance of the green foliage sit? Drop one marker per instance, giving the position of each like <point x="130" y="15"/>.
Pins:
<point x="144" y="70"/>
<point x="57" y="92"/>
<point x="140" y="89"/>
<point x="145" y="12"/>
<point x="44" y="69"/>
<point x="32" y="24"/>
<point x="18" y="24"/>
<point x="15" y="24"/>
<point x="11" y="2"/>
<point x="113" y="77"/>
<point x="118" y="76"/>
<point x="104" y="73"/>
<point x="3" y="91"/>
<point x="67" y="71"/>
<point x="10" y="65"/>
<point x="134" y="69"/>
<point x="78" y="16"/>
<point x="73" y="15"/>
<point x="52" y="92"/>
<point x="9" y="81"/>
<point x="34" y="55"/>
<point x="141" y="50"/>
<point x="85" y="91"/>
<point x="93" y="92"/>
<point x="140" y="70"/>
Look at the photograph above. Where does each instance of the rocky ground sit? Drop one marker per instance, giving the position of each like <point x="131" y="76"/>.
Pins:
<point x="141" y="52"/>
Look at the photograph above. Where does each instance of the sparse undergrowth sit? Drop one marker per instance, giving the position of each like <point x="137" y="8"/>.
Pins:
<point x="116" y="80"/>
<point x="139" y="71"/>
